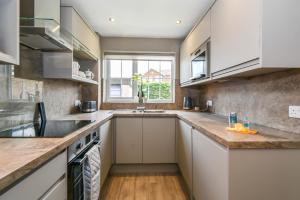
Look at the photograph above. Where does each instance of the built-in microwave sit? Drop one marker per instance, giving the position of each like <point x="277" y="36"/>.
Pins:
<point x="200" y="62"/>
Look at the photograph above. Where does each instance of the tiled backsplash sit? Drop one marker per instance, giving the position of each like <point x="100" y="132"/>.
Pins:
<point x="23" y="86"/>
<point x="264" y="99"/>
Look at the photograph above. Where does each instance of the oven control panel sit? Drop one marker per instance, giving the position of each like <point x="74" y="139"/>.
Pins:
<point x="80" y="144"/>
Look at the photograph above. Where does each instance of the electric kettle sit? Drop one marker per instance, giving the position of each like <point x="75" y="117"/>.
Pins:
<point x="187" y="103"/>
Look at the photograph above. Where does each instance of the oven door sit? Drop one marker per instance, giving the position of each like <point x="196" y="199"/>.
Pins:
<point x="199" y="63"/>
<point x="75" y="181"/>
<point x="75" y="174"/>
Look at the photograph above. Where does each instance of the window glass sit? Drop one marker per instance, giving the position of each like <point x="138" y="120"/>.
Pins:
<point x="127" y="68"/>
<point x="115" y="68"/>
<point x="126" y="88"/>
<point x="157" y="79"/>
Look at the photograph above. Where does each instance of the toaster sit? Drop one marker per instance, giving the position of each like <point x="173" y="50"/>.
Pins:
<point x="88" y="106"/>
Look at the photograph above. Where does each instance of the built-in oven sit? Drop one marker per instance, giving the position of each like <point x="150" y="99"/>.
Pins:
<point x="76" y="157"/>
<point x="200" y="62"/>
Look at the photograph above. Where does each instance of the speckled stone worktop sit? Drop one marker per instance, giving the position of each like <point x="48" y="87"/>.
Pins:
<point x="19" y="157"/>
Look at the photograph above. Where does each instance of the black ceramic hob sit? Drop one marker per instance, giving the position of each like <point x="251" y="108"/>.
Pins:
<point x="48" y="129"/>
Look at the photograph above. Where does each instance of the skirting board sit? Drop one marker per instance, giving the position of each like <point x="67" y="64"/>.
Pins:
<point x="144" y="168"/>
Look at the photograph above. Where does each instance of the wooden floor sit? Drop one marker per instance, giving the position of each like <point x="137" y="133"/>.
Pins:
<point x="143" y="187"/>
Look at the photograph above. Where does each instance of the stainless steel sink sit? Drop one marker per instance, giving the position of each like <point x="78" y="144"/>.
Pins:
<point x="154" y="111"/>
<point x="148" y="111"/>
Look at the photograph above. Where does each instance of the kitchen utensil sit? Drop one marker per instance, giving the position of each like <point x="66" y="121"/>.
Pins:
<point x="76" y="68"/>
<point x="89" y="74"/>
<point x="81" y="74"/>
<point x="88" y="106"/>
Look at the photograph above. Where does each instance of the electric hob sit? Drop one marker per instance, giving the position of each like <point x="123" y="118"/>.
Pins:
<point x="48" y="129"/>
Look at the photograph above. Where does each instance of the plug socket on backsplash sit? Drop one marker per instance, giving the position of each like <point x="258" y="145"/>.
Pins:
<point x="209" y="103"/>
<point x="209" y="106"/>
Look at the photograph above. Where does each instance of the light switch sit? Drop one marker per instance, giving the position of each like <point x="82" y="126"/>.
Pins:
<point x="294" y="111"/>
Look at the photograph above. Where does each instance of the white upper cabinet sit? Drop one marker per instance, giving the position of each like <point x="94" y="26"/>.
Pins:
<point x="195" y="39"/>
<point x="235" y="26"/>
<point x="74" y="23"/>
<point x="9" y="31"/>
<point x="201" y="33"/>
<point x="185" y="63"/>
<point x="254" y="36"/>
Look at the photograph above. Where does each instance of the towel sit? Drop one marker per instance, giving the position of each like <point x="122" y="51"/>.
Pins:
<point x="91" y="174"/>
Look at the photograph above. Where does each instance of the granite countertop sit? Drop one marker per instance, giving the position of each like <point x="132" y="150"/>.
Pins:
<point x="30" y="153"/>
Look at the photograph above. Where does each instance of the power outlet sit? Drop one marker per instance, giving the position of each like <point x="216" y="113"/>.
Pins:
<point x="209" y="103"/>
<point x="294" y="112"/>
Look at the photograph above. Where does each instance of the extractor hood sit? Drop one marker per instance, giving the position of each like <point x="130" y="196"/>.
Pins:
<point x="40" y="26"/>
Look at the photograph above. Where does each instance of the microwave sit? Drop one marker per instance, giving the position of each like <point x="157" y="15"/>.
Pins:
<point x="200" y="63"/>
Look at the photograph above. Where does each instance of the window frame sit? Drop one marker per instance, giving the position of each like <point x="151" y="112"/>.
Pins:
<point x="136" y="57"/>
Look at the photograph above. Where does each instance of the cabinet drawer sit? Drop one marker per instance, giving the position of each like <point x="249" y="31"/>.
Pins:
<point x="57" y="192"/>
<point x="40" y="181"/>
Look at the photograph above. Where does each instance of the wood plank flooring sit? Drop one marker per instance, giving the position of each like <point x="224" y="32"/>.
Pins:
<point x="143" y="187"/>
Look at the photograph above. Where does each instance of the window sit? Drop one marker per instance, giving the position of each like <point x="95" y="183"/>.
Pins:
<point x="157" y="74"/>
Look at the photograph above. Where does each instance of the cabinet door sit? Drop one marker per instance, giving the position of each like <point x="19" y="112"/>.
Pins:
<point x="73" y="22"/>
<point x="235" y="33"/>
<point x="201" y="33"/>
<point x="128" y="140"/>
<point x="185" y="152"/>
<point x="210" y="169"/>
<point x="9" y="31"/>
<point x="185" y="63"/>
<point x="105" y="149"/>
<point x="159" y="140"/>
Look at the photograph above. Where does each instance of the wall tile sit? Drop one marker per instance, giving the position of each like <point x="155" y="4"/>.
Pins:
<point x="264" y="99"/>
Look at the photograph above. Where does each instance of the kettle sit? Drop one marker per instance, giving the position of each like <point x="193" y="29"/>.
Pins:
<point x="187" y="103"/>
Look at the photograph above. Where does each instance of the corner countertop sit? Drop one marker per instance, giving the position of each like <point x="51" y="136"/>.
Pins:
<point x="20" y="156"/>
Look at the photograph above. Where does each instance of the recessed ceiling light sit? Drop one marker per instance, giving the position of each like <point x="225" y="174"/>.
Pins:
<point x="111" y="19"/>
<point x="178" y="22"/>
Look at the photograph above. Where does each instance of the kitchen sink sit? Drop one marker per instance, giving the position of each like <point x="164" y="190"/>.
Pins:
<point x="148" y="111"/>
<point x="154" y="111"/>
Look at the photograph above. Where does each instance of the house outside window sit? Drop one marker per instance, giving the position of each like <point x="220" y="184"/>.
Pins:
<point x="158" y="78"/>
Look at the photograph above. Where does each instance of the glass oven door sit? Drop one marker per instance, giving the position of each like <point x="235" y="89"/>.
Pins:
<point x="199" y="65"/>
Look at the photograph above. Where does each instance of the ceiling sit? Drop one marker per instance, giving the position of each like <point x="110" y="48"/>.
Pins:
<point x="141" y="18"/>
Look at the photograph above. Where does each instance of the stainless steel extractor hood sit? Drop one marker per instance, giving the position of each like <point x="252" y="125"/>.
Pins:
<point x="40" y="26"/>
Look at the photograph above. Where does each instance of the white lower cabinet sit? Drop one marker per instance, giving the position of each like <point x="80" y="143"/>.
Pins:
<point x="106" y="150"/>
<point x="145" y="140"/>
<point x="159" y="140"/>
<point x="47" y="182"/>
<point x="243" y="174"/>
<point x="129" y="140"/>
<point x="58" y="191"/>
<point x="184" y="142"/>
<point x="210" y="169"/>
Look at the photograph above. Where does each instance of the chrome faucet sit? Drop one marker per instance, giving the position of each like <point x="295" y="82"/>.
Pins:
<point x="142" y="102"/>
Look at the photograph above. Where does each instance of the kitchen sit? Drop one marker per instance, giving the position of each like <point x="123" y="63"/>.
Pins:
<point x="196" y="99"/>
